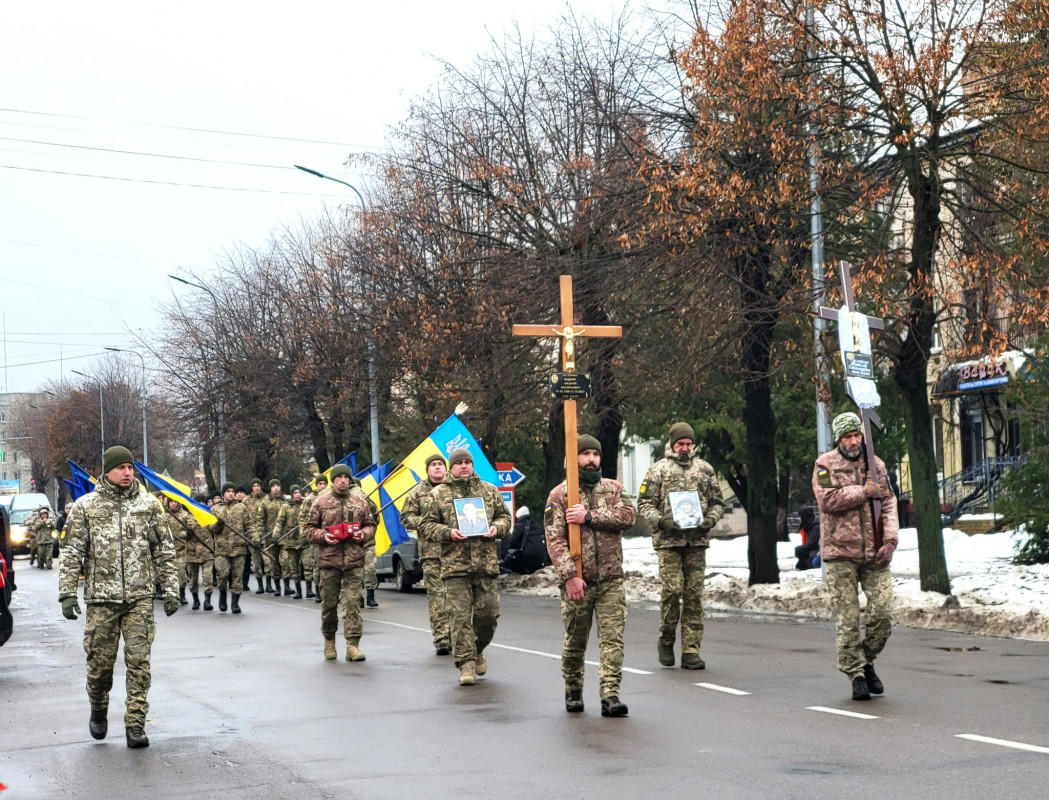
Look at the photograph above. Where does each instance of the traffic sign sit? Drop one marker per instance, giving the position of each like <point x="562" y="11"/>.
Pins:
<point x="509" y="475"/>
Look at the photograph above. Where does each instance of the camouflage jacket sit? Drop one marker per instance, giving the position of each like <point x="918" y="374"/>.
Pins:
<point x="232" y="517"/>
<point x="670" y="475"/>
<point x="304" y="516"/>
<point x="178" y="535"/>
<point x="41" y="532"/>
<point x="251" y="522"/>
<point x="602" y="538"/>
<point x="331" y="509"/>
<point x="269" y="510"/>
<point x="117" y="539"/>
<point x="200" y="543"/>
<point x="477" y="556"/>
<point x="415" y="504"/>
<point x="846" y="526"/>
<point x="287" y="519"/>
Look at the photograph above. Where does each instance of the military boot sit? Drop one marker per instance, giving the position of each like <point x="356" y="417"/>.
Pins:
<point x="222" y="599"/>
<point x="665" y="651"/>
<point x="235" y="604"/>
<point x="692" y="661"/>
<point x="207" y="601"/>
<point x="298" y="590"/>
<point x="276" y="586"/>
<point x="873" y="681"/>
<point x="98" y="724"/>
<point x="269" y="585"/>
<point x="573" y="700"/>
<point x="136" y="737"/>
<point x="360" y="601"/>
<point x="480" y="665"/>
<point x="860" y="690"/>
<point x="353" y="652"/>
<point x="309" y="589"/>
<point x="329" y="650"/>
<point x="287" y="588"/>
<point x="262" y="588"/>
<point x="182" y="601"/>
<point x="196" y="600"/>
<point x="467" y="676"/>
<point x="613" y="707"/>
<point x="371" y="599"/>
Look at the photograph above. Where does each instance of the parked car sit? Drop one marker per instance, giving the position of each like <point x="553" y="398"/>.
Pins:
<point x="401" y="564"/>
<point x="20" y="509"/>
<point x="7" y="577"/>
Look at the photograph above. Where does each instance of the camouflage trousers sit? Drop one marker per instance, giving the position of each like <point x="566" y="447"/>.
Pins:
<point x="43" y="554"/>
<point x="472" y="603"/>
<point x="290" y="563"/>
<point x="843" y="578"/>
<point x="227" y="568"/>
<point x="341" y="587"/>
<point x="105" y="624"/>
<point x="436" y="599"/>
<point x="606" y="600"/>
<point x="682" y="572"/>
<point x="370" y="579"/>
<point x="180" y="572"/>
<point x="196" y="569"/>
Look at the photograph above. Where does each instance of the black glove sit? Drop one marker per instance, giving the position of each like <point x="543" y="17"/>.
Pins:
<point x="170" y="605"/>
<point x="70" y="608"/>
<point x="668" y="524"/>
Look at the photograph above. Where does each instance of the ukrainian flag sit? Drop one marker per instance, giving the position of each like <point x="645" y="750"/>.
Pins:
<point x="173" y="489"/>
<point x="349" y="460"/>
<point x="81" y="482"/>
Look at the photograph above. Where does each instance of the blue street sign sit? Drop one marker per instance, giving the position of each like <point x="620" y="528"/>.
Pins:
<point x="510" y="477"/>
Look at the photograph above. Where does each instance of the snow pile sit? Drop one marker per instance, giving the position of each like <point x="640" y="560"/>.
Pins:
<point x="990" y="594"/>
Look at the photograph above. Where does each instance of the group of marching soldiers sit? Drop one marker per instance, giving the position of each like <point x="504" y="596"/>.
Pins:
<point x="256" y="530"/>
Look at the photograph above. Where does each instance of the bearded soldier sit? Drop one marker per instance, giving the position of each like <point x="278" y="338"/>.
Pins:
<point x="469" y="565"/>
<point x="342" y="521"/>
<point x="856" y="551"/>
<point x="415" y="506"/>
<point x="288" y="537"/>
<point x="269" y="510"/>
<point x="682" y="551"/>
<point x="603" y="513"/>
<point x="116" y="538"/>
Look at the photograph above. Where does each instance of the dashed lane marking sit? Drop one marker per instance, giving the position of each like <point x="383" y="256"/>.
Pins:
<point x="842" y="713"/>
<point x="725" y="689"/>
<point x="1030" y="748"/>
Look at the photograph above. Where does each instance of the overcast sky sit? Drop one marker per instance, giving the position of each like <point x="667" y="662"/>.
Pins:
<point x="247" y="88"/>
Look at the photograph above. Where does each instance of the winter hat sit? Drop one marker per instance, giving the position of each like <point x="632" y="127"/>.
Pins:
<point x="462" y="454"/>
<point x="681" y="430"/>
<point x="523" y="512"/>
<point x="587" y="442"/>
<point x="846" y="423"/>
<point x="274" y="482"/>
<point x="436" y="457"/>
<point x="340" y="469"/>
<point x="115" y="456"/>
<point x="294" y="488"/>
<point x="254" y="481"/>
<point x="228" y="485"/>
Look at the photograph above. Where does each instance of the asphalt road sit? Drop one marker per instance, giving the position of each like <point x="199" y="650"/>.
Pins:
<point x="246" y="707"/>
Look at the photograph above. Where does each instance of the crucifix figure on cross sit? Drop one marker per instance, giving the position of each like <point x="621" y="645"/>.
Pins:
<point x="568" y="332"/>
<point x="854" y="340"/>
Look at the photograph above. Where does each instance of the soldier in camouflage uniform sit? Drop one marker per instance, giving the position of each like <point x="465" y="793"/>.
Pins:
<point x="371" y="580"/>
<point x="415" y="505"/>
<point x="288" y="538"/>
<point x="44" y="534"/>
<point x="231" y="549"/>
<point x="254" y="532"/>
<point x="603" y="513"/>
<point x="116" y="538"/>
<point x="469" y="565"/>
<point x="268" y="511"/>
<point x="852" y="552"/>
<point x="178" y="536"/>
<point x="309" y="552"/>
<point x="200" y="557"/>
<point x="682" y="552"/>
<point x="341" y="521"/>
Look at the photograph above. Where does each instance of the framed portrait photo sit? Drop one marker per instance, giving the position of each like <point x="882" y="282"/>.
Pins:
<point x="686" y="508"/>
<point x="471" y="516"/>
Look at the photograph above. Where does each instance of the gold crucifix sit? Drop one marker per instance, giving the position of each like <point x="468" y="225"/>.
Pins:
<point x="567" y="332"/>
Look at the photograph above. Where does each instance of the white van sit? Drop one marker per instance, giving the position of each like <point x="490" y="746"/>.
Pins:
<point x="20" y="509"/>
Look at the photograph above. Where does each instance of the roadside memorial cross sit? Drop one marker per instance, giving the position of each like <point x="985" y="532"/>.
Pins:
<point x="854" y="340"/>
<point x="568" y="385"/>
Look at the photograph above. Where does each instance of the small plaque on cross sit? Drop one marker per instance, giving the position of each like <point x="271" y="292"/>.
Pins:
<point x="570" y="385"/>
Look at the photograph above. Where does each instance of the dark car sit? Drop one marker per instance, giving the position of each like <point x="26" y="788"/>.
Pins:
<point x="400" y="564"/>
<point x="7" y="577"/>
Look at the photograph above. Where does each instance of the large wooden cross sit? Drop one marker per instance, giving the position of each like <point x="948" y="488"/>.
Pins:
<point x="568" y="331"/>
<point x="867" y="415"/>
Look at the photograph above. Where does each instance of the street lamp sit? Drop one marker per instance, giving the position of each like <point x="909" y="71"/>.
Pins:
<point x="373" y="389"/>
<point x="145" y="439"/>
<point x="101" y="412"/>
<point x="222" y="387"/>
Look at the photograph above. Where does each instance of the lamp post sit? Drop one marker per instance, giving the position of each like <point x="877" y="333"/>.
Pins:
<point x="373" y="389"/>
<point x="101" y="414"/>
<point x="145" y="438"/>
<point x="222" y="392"/>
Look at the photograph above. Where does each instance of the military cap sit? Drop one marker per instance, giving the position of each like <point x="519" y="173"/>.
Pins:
<point x="115" y="456"/>
<point x="462" y="454"/>
<point x="681" y="430"/>
<point x="435" y="457"/>
<point x="846" y="423"/>
<point x="588" y="442"/>
<point x="274" y="482"/>
<point x="294" y="488"/>
<point x="228" y="485"/>
<point x="340" y="469"/>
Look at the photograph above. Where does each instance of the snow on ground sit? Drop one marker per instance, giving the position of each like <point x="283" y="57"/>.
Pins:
<point x="990" y="594"/>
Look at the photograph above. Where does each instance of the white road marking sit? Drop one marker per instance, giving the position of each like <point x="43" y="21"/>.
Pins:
<point x="1031" y="748"/>
<point x="841" y="713"/>
<point x="725" y="689"/>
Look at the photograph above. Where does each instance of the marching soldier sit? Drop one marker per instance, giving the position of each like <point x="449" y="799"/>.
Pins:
<point x="178" y="536"/>
<point x="288" y="537"/>
<point x="268" y="511"/>
<point x="200" y="558"/>
<point x="251" y="504"/>
<point x="45" y="534"/>
<point x="231" y="549"/>
<point x="309" y="552"/>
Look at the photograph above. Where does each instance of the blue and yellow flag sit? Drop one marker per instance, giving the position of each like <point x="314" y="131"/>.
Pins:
<point x="82" y="483"/>
<point x="170" y="488"/>
<point x="349" y="460"/>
